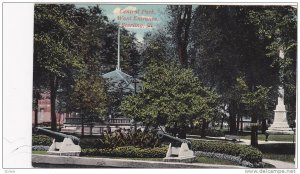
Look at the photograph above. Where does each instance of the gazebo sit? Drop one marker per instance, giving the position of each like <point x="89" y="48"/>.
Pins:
<point x="120" y="80"/>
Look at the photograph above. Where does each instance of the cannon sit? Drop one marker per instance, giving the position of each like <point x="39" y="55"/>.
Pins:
<point x="62" y="144"/>
<point x="161" y="134"/>
<point x="183" y="153"/>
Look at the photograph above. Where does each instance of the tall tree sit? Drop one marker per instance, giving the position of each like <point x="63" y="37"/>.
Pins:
<point x="90" y="98"/>
<point x="224" y="51"/>
<point x="256" y="103"/>
<point x="181" y="17"/>
<point x="53" y="53"/>
<point x="278" y="26"/>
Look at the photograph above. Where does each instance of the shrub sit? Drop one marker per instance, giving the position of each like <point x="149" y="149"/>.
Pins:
<point x="245" y="152"/>
<point x="214" y="133"/>
<point x="41" y="140"/>
<point x="208" y="132"/>
<point x="122" y="138"/>
<point x="127" y="151"/>
<point x="91" y="142"/>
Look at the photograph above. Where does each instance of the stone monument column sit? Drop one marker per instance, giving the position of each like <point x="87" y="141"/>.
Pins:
<point x="280" y="124"/>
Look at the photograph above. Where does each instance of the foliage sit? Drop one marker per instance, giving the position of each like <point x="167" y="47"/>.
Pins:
<point x="55" y="54"/>
<point x="41" y="140"/>
<point x="131" y="138"/>
<point x="171" y="95"/>
<point x="121" y="138"/>
<point x="180" y="21"/>
<point x="155" y="48"/>
<point x="278" y="26"/>
<point x="127" y="151"/>
<point x="70" y="43"/>
<point x="225" y="52"/>
<point x="248" y="153"/>
<point x="89" y="95"/>
<point x="208" y="132"/>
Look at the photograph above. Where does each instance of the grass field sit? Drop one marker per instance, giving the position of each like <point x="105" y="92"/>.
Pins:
<point x="39" y="152"/>
<point x="207" y="160"/>
<point x="262" y="137"/>
<point x="281" y="151"/>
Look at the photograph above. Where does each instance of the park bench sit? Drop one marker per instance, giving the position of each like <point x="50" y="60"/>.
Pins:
<point x="232" y="137"/>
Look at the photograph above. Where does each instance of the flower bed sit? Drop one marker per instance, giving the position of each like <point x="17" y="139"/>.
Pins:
<point x="240" y="154"/>
<point x="40" y="148"/>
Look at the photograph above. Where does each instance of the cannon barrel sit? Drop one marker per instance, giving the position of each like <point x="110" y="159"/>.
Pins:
<point x="57" y="135"/>
<point x="160" y="134"/>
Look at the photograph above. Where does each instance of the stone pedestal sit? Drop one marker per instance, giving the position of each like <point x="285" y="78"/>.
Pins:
<point x="280" y="124"/>
<point x="179" y="154"/>
<point x="65" y="148"/>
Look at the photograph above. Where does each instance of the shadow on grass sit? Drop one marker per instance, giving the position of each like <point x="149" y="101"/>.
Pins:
<point x="280" y="148"/>
<point x="281" y="151"/>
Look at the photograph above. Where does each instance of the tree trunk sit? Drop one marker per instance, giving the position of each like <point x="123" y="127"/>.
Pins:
<point x="182" y="132"/>
<point x="222" y="121"/>
<point x="91" y="130"/>
<point x="254" y="141"/>
<point x="36" y="110"/>
<point x="264" y="126"/>
<point x="82" y="124"/>
<point x="203" y="128"/>
<point x="184" y="18"/>
<point x="174" y="130"/>
<point x="242" y="128"/>
<point x="238" y="122"/>
<point x="53" y="88"/>
<point x="232" y="120"/>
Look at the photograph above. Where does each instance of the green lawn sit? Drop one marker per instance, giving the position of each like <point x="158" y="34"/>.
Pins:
<point x="146" y="159"/>
<point x="280" y="151"/>
<point x="208" y="160"/>
<point x="262" y="137"/>
<point x="39" y="152"/>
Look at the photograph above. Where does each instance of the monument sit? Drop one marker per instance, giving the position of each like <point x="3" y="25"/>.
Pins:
<point x="280" y="125"/>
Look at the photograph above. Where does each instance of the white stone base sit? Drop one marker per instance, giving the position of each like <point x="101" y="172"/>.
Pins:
<point x="63" y="153"/>
<point x="65" y="148"/>
<point x="179" y="154"/>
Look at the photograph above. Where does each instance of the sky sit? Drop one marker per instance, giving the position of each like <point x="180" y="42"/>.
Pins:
<point x="135" y="18"/>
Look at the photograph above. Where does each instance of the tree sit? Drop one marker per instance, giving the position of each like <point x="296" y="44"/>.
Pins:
<point x="130" y="56"/>
<point x="256" y="105"/>
<point x="222" y="52"/>
<point x="89" y="98"/>
<point x="171" y="95"/>
<point x="181" y="17"/>
<point x="54" y="53"/>
<point x="155" y="48"/>
<point x="278" y="26"/>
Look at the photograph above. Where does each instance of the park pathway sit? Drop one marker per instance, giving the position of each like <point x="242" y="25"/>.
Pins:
<point x="280" y="164"/>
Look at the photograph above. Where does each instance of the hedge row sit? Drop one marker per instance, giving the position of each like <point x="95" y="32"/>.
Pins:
<point x="245" y="152"/>
<point x="41" y="140"/>
<point x="208" y="132"/>
<point x="127" y="151"/>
